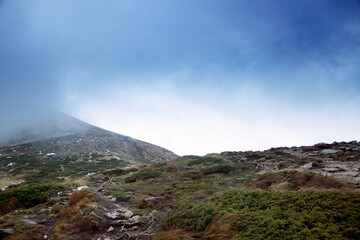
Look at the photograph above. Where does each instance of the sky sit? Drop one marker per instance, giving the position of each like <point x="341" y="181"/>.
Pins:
<point x="194" y="77"/>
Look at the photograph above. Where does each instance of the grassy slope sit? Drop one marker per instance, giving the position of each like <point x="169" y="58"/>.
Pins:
<point x="199" y="189"/>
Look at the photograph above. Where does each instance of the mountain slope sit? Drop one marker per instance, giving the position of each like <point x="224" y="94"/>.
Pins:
<point x="67" y="146"/>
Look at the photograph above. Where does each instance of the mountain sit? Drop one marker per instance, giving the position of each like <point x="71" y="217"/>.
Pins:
<point x="64" y="144"/>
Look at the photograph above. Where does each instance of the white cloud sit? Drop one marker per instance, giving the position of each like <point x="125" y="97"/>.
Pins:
<point x="201" y="120"/>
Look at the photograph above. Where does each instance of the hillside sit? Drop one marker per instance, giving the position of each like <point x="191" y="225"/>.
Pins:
<point x="63" y="146"/>
<point x="309" y="192"/>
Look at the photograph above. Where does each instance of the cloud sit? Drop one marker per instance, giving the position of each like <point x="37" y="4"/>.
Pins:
<point x="203" y="119"/>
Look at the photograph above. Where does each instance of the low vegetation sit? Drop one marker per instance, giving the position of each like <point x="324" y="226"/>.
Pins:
<point x="27" y="196"/>
<point x="278" y="215"/>
<point x="142" y="176"/>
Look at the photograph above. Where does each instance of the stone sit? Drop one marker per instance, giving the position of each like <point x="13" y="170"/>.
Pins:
<point x="307" y="165"/>
<point x="112" y="215"/>
<point x="113" y="199"/>
<point x="329" y="151"/>
<point x="128" y="214"/>
<point x="46" y="237"/>
<point x="110" y="229"/>
<point x="135" y="219"/>
<point x="7" y="230"/>
<point x="152" y="214"/>
<point x="331" y="169"/>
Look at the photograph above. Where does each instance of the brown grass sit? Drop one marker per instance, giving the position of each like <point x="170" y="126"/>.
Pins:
<point x="177" y="234"/>
<point x="77" y="216"/>
<point x="10" y="205"/>
<point x="168" y="169"/>
<point x="193" y="174"/>
<point x="221" y="227"/>
<point x="29" y="234"/>
<point x="299" y="180"/>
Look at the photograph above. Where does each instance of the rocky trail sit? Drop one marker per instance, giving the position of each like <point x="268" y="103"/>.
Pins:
<point x="102" y="218"/>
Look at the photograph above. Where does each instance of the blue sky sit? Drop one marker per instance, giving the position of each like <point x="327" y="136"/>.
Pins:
<point x="192" y="76"/>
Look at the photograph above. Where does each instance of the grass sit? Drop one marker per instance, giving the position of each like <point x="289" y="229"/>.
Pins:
<point x="278" y="215"/>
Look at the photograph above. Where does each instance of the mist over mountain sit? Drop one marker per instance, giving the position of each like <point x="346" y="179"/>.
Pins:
<point x="67" y="136"/>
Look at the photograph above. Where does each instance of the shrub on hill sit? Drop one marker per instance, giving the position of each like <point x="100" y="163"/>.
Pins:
<point x="195" y="160"/>
<point x="142" y="176"/>
<point x="279" y="215"/>
<point x="26" y="196"/>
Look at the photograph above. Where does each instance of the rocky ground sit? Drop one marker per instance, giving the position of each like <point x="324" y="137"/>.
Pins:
<point x="140" y="203"/>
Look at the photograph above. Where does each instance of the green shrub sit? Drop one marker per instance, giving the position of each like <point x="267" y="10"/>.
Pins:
<point x="199" y="160"/>
<point x="27" y="196"/>
<point x="222" y="168"/>
<point x="142" y="176"/>
<point x="279" y="215"/>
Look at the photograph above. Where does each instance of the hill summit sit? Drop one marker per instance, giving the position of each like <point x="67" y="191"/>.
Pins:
<point x="65" y="145"/>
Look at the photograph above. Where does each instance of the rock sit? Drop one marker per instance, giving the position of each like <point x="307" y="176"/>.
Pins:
<point x="145" y="219"/>
<point x="110" y="229"/>
<point x="128" y="214"/>
<point x="113" y="199"/>
<point x="98" y="239"/>
<point x="342" y="167"/>
<point x="107" y="239"/>
<point x="135" y="219"/>
<point x="329" y="151"/>
<point x="28" y="221"/>
<point x="7" y="230"/>
<point x="112" y="215"/>
<point x="307" y="165"/>
<point x="331" y="169"/>
<point x="152" y="214"/>
<point x="46" y="237"/>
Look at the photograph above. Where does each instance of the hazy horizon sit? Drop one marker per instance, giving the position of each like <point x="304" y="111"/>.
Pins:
<point x="194" y="77"/>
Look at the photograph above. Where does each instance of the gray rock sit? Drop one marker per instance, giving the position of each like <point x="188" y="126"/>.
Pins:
<point x="112" y="215"/>
<point x="7" y="230"/>
<point x="128" y="214"/>
<point x="307" y="165"/>
<point x="331" y="169"/>
<point x="329" y="151"/>
<point x="135" y="219"/>
<point x="110" y="229"/>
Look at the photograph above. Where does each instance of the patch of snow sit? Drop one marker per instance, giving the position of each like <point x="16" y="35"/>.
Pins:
<point x="10" y="164"/>
<point x="82" y="187"/>
<point x="50" y="154"/>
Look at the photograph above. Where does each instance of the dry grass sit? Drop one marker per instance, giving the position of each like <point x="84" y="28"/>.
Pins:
<point x="177" y="234"/>
<point x="193" y="174"/>
<point x="10" y="205"/>
<point x="77" y="216"/>
<point x="168" y="169"/>
<point x="299" y="180"/>
<point x="29" y="234"/>
<point x="221" y="227"/>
